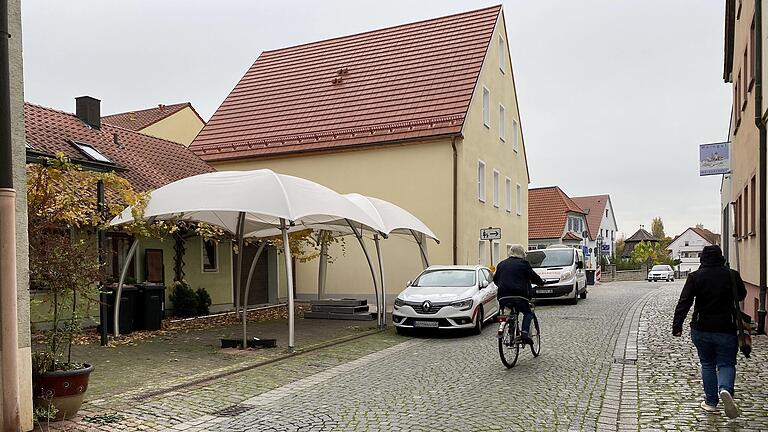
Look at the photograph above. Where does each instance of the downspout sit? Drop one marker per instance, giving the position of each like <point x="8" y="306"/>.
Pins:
<point x="455" y="202"/>
<point x="9" y="373"/>
<point x="762" y="161"/>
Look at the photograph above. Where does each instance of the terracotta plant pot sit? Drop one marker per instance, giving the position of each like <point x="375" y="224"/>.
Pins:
<point x="64" y="390"/>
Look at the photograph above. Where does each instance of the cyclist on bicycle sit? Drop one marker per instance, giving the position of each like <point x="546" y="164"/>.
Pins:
<point x="514" y="277"/>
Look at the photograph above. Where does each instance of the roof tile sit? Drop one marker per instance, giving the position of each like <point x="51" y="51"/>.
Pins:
<point x="548" y="210"/>
<point x="138" y="120"/>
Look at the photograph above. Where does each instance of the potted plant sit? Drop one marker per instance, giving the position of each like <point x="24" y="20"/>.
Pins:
<point x="64" y="217"/>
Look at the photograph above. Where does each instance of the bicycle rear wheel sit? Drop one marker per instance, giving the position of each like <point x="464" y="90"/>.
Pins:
<point x="535" y="335"/>
<point x="509" y="348"/>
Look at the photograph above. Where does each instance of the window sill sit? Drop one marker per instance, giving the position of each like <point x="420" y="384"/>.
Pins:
<point x="487" y="126"/>
<point x="482" y="200"/>
<point x="752" y="234"/>
<point x="502" y="140"/>
<point x="496" y="205"/>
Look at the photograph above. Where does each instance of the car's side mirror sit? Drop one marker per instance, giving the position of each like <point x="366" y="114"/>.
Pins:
<point x="408" y="283"/>
<point x="484" y="284"/>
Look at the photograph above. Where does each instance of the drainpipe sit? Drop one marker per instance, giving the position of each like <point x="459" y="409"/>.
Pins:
<point x="762" y="161"/>
<point x="8" y="289"/>
<point x="455" y="202"/>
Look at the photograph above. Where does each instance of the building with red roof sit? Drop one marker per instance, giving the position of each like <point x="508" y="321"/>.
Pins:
<point x="554" y="218"/>
<point x="147" y="162"/>
<point x="177" y="122"/>
<point x="688" y="245"/>
<point x="601" y="224"/>
<point x="423" y="114"/>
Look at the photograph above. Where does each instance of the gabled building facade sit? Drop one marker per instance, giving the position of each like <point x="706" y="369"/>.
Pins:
<point x="148" y="163"/>
<point x="178" y="122"/>
<point x="744" y="189"/>
<point x="601" y="225"/>
<point x="554" y="218"/>
<point x="688" y="245"/>
<point x="424" y="115"/>
<point x="635" y="239"/>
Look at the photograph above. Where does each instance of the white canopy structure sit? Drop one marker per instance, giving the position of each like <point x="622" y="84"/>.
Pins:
<point x="251" y="202"/>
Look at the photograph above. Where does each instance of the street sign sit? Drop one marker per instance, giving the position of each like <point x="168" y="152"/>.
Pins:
<point x="490" y="234"/>
<point x="605" y="248"/>
<point x="585" y="250"/>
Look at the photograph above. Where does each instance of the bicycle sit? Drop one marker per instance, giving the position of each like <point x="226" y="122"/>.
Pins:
<point x="510" y="335"/>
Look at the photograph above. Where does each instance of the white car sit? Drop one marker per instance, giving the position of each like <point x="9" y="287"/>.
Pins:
<point x="562" y="269"/>
<point x="447" y="297"/>
<point x="661" y="272"/>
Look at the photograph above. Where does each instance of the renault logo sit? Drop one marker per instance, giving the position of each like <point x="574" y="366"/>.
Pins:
<point x="426" y="306"/>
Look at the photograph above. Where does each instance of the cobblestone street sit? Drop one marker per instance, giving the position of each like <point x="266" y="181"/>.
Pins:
<point x="608" y="363"/>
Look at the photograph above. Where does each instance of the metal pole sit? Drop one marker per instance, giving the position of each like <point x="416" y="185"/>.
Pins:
<point x="239" y="273"/>
<point x="383" y="323"/>
<point x="289" y="278"/>
<point x="248" y="289"/>
<point x="8" y="288"/>
<point x="119" y="292"/>
<point x="359" y="236"/>
<point x="322" y="270"/>
<point x="422" y="248"/>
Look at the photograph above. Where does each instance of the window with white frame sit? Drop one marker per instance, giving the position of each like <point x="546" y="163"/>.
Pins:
<point x="502" y="54"/>
<point x="519" y="200"/>
<point x="481" y="181"/>
<point x="496" y="258"/>
<point x="495" y="188"/>
<point x="502" y="123"/>
<point x="508" y="190"/>
<point x="486" y="107"/>
<point x="482" y="256"/>
<point x="515" y="135"/>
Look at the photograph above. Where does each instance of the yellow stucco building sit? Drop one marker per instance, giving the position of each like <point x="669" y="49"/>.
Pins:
<point x="178" y="122"/>
<point x="424" y="115"/>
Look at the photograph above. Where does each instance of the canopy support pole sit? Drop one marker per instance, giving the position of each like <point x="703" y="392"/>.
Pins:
<point x="422" y="247"/>
<point x="322" y="272"/>
<point x="238" y="282"/>
<point x="289" y="278"/>
<point x="248" y="289"/>
<point x="383" y="323"/>
<point x="123" y="273"/>
<point x="359" y="236"/>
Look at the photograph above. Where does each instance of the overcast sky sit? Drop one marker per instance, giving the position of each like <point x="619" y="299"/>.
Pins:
<point x="615" y="96"/>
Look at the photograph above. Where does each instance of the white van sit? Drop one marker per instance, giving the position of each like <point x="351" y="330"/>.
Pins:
<point x="562" y="269"/>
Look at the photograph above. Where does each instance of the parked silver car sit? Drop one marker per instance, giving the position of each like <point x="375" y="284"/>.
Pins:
<point x="661" y="272"/>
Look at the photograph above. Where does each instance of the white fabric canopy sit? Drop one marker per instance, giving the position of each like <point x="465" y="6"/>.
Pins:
<point x="251" y="202"/>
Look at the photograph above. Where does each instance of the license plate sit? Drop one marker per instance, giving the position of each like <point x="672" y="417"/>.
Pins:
<point x="425" y="324"/>
<point x="545" y="291"/>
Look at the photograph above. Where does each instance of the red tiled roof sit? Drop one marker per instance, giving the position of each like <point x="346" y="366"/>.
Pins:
<point x="151" y="162"/>
<point x="138" y="120"/>
<point x="548" y="210"/>
<point x="595" y="208"/>
<point x="704" y="233"/>
<point x="406" y="82"/>
<point x="571" y="236"/>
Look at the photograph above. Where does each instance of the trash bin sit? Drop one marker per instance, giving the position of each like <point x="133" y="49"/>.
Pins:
<point x="590" y="277"/>
<point x="150" y="306"/>
<point x="127" y="309"/>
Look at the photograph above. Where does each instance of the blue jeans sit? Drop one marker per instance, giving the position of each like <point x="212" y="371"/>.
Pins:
<point x="524" y="307"/>
<point x="717" y="354"/>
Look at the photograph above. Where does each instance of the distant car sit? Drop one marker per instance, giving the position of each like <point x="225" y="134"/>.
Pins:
<point x="661" y="272"/>
<point x="562" y="269"/>
<point x="447" y="297"/>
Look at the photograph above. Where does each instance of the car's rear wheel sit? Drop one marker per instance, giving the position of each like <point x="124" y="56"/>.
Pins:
<point x="479" y="321"/>
<point x="509" y="349"/>
<point x="535" y="336"/>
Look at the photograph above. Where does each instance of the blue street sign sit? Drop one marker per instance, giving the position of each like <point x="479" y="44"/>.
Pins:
<point x="585" y="250"/>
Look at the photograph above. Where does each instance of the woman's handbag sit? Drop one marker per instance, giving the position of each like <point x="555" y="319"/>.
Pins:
<point x="743" y="321"/>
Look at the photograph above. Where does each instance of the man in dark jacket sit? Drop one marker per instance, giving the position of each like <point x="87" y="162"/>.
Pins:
<point x="513" y="277"/>
<point x="713" y="326"/>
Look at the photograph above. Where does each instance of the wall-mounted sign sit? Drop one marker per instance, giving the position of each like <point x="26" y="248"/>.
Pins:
<point x="715" y="159"/>
<point x="605" y="247"/>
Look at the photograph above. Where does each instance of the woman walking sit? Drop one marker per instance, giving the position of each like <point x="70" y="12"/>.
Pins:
<point x="713" y="326"/>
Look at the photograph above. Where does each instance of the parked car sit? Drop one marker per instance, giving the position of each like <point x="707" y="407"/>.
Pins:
<point x="447" y="297"/>
<point x="562" y="269"/>
<point x="661" y="272"/>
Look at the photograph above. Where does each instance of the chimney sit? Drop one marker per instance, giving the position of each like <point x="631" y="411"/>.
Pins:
<point x="88" y="109"/>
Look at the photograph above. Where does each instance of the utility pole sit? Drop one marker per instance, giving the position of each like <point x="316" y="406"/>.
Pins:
<point x="9" y="330"/>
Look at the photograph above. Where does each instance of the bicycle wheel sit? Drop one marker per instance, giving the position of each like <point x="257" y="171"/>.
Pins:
<point x="509" y="349"/>
<point x="535" y="335"/>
